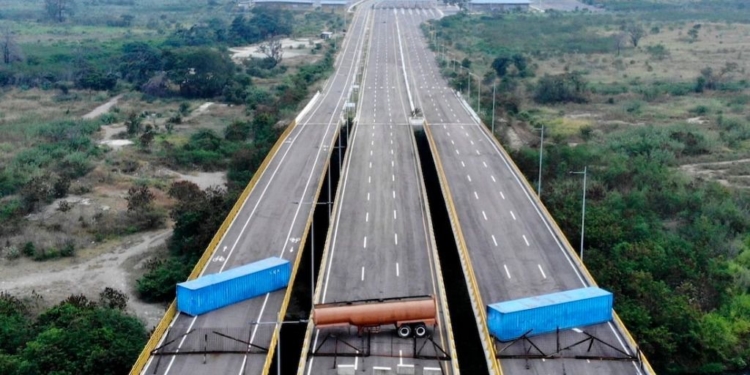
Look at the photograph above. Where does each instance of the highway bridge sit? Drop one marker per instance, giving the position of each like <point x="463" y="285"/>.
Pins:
<point x="511" y="247"/>
<point x="380" y="243"/>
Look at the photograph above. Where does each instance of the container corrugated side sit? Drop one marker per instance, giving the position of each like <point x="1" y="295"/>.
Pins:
<point x="547" y="313"/>
<point x="214" y="291"/>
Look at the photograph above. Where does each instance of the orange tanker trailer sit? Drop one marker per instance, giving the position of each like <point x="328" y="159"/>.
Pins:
<point x="408" y="314"/>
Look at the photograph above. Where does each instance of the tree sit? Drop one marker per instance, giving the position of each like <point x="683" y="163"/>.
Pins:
<point x="139" y="198"/>
<point x="501" y="64"/>
<point x="619" y="40"/>
<point x="201" y="72"/>
<point x="237" y="131"/>
<point x="58" y="10"/>
<point x="693" y="32"/>
<point x="273" y="49"/>
<point x="9" y="49"/>
<point x="466" y="63"/>
<point x="561" y="88"/>
<point x="636" y="32"/>
<point x="134" y="123"/>
<point x="147" y="137"/>
<point x="139" y="62"/>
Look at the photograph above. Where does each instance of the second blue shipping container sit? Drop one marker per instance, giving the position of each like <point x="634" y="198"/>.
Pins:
<point x="214" y="291"/>
<point x="543" y="314"/>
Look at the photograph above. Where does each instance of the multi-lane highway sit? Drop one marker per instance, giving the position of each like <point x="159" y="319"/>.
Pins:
<point x="270" y="223"/>
<point x="514" y="251"/>
<point x="381" y="243"/>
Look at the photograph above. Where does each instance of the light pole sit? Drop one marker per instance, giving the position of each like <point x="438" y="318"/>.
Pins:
<point x="493" y="108"/>
<point x="278" y="335"/>
<point x="583" y="207"/>
<point x="541" y="152"/>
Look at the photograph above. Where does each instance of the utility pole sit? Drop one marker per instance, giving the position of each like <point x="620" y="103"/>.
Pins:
<point x="583" y="207"/>
<point x="493" y="108"/>
<point x="541" y="152"/>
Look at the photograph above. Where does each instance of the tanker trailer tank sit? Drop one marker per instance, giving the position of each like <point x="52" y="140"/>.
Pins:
<point x="410" y="315"/>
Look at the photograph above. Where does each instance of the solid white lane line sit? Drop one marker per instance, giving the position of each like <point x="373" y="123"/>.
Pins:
<point x="512" y="214"/>
<point x="542" y="271"/>
<point x="494" y="240"/>
<point x="504" y="266"/>
<point x="525" y="240"/>
<point x="484" y="214"/>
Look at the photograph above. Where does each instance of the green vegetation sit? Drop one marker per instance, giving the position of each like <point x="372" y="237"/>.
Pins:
<point x="78" y="336"/>
<point x="673" y="248"/>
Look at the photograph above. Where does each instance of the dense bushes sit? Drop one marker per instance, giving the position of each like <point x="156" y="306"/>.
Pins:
<point x="78" y="336"/>
<point x="660" y="242"/>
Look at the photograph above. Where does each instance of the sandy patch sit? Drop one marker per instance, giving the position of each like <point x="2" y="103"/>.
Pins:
<point x="108" y="265"/>
<point x="102" y="109"/>
<point x="117" y="144"/>
<point x="292" y="48"/>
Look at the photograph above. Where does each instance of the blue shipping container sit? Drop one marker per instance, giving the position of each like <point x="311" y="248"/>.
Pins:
<point x="214" y="291"/>
<point x="543" y="314"/>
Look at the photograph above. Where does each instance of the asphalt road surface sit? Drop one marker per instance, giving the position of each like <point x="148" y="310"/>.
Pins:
<point x="381" y="244"/>
<point x="513" y="250"/>
<point x="270" y="223"/>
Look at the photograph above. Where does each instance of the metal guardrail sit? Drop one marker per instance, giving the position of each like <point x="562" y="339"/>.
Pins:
<point x="301" y="245"/>
<point x="321" y="276"/>
<point x="171" y="312"/>
<point x="475" y="296"/>
<point x="566" y="244"/>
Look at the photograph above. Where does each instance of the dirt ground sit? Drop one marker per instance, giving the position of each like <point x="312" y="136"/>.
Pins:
<point x="114" y="264"/>
<point x="562" y="5"/>
<point x="735" y="173"/>
<point x="292" y="48"/>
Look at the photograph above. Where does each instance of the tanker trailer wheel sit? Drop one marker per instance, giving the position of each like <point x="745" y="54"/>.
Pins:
<point x="420" y="330"/>
<point x="404" y="331"/>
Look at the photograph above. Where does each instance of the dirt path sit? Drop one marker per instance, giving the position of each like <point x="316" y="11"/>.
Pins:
<point x="102" y="109"/>
<point x="88" y="273"/>
<point x="716" y="171"/>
